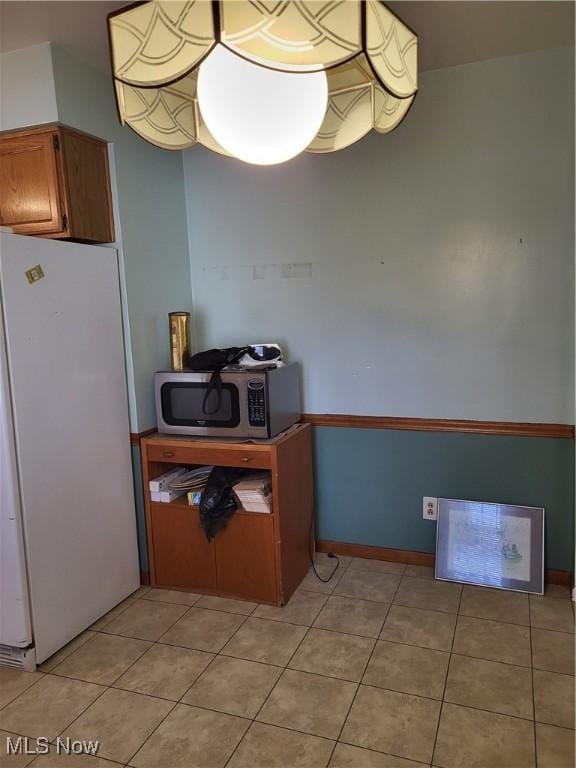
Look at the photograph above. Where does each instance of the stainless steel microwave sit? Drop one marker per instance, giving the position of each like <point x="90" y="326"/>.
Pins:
<point x="250" y="403"/>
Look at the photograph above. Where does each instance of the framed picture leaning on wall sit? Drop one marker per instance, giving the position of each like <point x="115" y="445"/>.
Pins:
<point x="491" y="545"/>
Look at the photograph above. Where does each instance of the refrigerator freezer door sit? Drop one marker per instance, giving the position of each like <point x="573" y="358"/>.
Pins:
<point x="15" y="628"/>
<point x="67" y="373"/>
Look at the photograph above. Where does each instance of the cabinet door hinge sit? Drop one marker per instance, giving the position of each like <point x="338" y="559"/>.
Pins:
<point x="56" y="142"/>
<point x="64" y="221"/>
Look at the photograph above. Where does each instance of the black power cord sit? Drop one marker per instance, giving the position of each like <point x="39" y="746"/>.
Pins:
<point x="311" y="552"/>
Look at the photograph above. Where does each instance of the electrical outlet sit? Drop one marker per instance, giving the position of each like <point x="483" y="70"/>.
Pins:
<point x="430" y="507"/>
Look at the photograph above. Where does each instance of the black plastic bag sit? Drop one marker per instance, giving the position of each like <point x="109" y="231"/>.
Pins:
<point x="215" y="359"/>
<point x="218" y="502"/>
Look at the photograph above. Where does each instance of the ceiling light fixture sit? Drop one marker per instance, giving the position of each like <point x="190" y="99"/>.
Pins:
<point x="259" y="115"/>
<point x="262" y="81"/>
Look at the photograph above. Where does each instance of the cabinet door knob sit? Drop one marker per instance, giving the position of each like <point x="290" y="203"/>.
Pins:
<point x="246" y="458"/>
<point x="168" y="454"/>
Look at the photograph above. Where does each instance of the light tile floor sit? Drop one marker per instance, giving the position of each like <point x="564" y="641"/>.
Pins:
<point x="382" y="667"/>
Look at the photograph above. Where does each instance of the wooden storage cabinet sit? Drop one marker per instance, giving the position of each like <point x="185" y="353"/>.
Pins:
<point x="55" y="182"/>
<point x="259" y="557"/>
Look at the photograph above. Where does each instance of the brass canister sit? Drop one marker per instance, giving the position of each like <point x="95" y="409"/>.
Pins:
<point x="179" y="339"/>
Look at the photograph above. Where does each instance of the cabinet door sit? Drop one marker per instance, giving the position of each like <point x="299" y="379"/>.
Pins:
<point x="245" y="559"/>
<point x="87" y="181"/>
<point x="293" y="488"/>
<point x="29" y="191"/>
<point x="182" y="556"/>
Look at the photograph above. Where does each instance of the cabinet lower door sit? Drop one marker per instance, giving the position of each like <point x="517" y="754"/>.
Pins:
<point x="245" y="559"/>
<point x="183" y="558"/>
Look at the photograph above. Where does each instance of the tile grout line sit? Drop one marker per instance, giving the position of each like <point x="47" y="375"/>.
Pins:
<point x="113" y="687"/>
<point x="253" y="720"/>
<point x="88" y="631"/>
<point x="109" y="687"/>
<point x="328" y="596"/>
<point x="327" y="738"/>
<point x="290" y="728"/>
<point x="365" y="599"/>
<point x="159" y="641"/>
<point x="344" y="569"/>
<point x="388" y="605"/>
<point x="446" y="678"/>
<point x="345" y="720"/>
<point x="216" y="655"/>
<point x="174" y="703"/>
<point x="351" y="634"/>
<point x="327" y="677"/>
<point x="532" y="684"/>
<point x="307" y="672"/>
<point x="195" y="604"/>
<point x="418" y="763"/>
<point x="111" y="619"/>
<point x="61" y="732"/>
<point x="103" y="631"/>
<point x="172" y="708"/>
<point x="59" y="677"/>
<point x="88" y="642"/>
<point x="41" y="676"/>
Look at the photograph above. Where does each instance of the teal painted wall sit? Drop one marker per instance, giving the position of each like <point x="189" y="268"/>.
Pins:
<point x="422" y="256"/>
<point x="140" y="508"/>
<point x="151" y="238"/>
<point x="27" y="87"/>
<point x="152" y="224"/>
<point x="43" y="84"/>
<point x="425" y="273"/>
<point x="370" y="483"/>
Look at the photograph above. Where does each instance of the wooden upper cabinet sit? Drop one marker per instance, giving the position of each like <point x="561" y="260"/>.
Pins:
<point x="55" y="182"/>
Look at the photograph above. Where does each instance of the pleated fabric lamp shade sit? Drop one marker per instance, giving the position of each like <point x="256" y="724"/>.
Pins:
<point x="262" y="81"/>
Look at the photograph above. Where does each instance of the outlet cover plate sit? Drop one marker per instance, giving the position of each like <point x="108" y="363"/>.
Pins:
<point x="430" y="507"/>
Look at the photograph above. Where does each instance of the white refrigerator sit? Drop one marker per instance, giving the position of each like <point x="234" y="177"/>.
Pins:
<point x="68" y="547"/>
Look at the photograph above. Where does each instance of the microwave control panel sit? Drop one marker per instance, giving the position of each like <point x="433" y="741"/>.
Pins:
<point x="256" y="403"/>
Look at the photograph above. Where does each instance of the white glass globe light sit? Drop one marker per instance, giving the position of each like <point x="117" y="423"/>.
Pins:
<point x="260" y="115"/>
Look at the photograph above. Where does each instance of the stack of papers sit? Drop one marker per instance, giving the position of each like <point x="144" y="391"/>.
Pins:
<point x="162" y="483"/>
<point x="255" y="492"/>
<point x="192" y="480"/>
<point x="179" y="481"/>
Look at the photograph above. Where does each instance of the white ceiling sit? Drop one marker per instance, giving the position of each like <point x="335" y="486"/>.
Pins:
<point x="454" y="32"/>
<point x="77" y="25"/>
